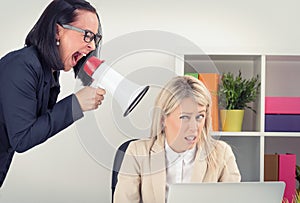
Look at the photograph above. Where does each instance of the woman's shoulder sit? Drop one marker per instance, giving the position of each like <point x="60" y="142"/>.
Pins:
<point x="22" y="53"/>
<point x="25" y="56"/>
<point x="24" y="60"/>
<point x="222" y="146"/>
<point x="140" y="146"/>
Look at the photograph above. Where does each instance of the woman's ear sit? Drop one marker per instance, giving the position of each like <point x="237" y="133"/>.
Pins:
<point x="59" y="30"/>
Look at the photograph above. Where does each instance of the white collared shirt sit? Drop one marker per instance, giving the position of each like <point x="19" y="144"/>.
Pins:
<point x="178" y="166"/>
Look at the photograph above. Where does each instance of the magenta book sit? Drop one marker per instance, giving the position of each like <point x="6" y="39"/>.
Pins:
<point x="282" y="105"/>
<point x="287" y="173"/>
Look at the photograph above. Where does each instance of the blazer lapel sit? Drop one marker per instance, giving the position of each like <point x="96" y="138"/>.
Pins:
<point x="46" y="91"/>
<point x="200" y="166"/>
<point x="158" y="170"/>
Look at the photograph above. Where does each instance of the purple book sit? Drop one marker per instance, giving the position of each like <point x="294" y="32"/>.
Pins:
<point x="282" y="123"/>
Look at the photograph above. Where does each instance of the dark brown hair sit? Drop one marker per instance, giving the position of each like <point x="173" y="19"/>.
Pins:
<point x="42" y="35"/>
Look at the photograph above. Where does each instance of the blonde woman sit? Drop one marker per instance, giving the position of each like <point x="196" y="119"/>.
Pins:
<point x="180" y="149"/>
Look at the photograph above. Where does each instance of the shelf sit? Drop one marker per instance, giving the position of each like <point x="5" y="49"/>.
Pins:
<point x="282" y="134"/>
<point x="256" y="134"/>
<point x="279" y="76"/>
<point x="237" y="134"/>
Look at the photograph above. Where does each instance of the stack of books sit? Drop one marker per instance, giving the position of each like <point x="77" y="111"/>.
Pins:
<point x="281" y="167"/>
<point x="282" y="114"/>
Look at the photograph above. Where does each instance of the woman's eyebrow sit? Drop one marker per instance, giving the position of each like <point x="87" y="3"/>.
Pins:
<point x="189" y="113"/>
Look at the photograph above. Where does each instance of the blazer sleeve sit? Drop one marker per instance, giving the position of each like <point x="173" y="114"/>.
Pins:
<point x="22" y="96"/>
<point x="129" y="179"/>
<point x="230" y="171"/>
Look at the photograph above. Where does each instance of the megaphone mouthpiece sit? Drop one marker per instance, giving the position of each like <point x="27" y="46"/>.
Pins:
<point x="91" y="65"/>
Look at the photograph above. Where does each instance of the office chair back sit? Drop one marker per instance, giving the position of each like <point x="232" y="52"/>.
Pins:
<point x="117" y="164"/>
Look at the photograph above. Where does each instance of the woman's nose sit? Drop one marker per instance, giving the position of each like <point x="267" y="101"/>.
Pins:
<point x="91" y="45"/>
<point x="193" y="125"/>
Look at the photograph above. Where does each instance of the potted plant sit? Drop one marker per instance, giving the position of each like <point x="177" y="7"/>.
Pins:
<point x="236" y="93"/>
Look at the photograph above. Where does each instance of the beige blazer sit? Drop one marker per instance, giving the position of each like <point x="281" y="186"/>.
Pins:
<point x="142" y="177"/>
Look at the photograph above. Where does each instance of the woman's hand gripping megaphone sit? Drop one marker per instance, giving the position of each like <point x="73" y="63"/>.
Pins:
<point x="90" y="97"/>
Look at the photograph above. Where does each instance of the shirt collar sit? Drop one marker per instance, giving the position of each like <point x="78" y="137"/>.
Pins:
<point x="172" y="156"/>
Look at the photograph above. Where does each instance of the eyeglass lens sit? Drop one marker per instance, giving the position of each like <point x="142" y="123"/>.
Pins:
<point x="89" y="36"/>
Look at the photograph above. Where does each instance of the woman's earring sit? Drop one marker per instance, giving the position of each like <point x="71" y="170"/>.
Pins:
<point x="57" y="42"/>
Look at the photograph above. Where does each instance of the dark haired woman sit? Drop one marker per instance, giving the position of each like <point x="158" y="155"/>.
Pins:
<point x="64" y="36"/>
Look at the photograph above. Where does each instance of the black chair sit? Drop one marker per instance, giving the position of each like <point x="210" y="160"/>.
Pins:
<point x="117" y="164"/>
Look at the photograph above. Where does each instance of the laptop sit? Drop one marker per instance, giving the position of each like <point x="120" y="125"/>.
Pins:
<point x="242" y="192"/>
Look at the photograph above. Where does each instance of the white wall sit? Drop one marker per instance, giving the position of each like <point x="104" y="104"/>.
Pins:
<point x="63" y="169"/>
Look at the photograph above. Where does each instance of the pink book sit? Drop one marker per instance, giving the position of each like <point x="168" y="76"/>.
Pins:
<point x="287" y="173"/>
<point x="282" y="105"/>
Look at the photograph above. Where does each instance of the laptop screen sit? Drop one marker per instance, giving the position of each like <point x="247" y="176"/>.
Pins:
<point x="242" y="192"/>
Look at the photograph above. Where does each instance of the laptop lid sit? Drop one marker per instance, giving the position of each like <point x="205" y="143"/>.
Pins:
<point x="245" y="192"/>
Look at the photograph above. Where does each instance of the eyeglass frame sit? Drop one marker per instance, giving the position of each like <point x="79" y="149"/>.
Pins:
<point x="96" y="37"/>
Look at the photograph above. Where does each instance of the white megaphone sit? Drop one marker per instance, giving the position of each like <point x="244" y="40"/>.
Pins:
<point x="128" y="94"/>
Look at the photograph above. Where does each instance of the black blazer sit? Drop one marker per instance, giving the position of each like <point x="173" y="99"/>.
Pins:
<point x="29" y="114"/>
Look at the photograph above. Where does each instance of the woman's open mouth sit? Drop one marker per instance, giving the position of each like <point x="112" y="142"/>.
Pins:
<point x="190" y="138"/>
<point x="76" y="57"/>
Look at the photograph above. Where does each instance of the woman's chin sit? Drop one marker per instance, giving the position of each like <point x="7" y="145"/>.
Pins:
<point x="67" y="68"/>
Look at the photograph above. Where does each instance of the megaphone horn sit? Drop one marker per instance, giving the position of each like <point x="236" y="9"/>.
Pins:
<point x="128" y="95"/>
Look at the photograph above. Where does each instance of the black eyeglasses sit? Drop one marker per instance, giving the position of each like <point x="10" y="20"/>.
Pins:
<point x="88" y="35"/>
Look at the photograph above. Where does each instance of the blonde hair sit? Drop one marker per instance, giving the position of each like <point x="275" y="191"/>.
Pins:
<point x="170" y="97"/>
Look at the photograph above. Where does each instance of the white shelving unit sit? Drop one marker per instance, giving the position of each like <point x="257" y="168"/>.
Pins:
<point x="279" y="76"/>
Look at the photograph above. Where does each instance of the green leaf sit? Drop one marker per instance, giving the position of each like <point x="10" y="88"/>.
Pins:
<point x="237" y="92"/>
